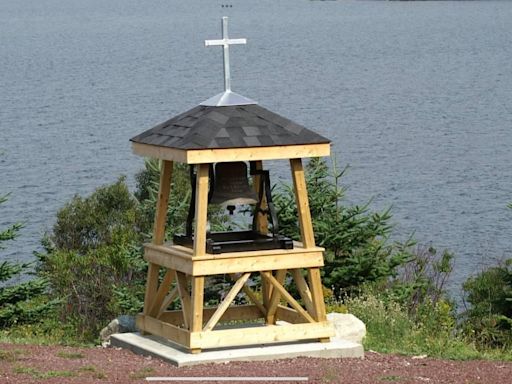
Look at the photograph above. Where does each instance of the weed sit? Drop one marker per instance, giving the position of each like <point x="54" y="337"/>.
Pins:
<point x="391" y="378"/>
<point x="42" y="375"/>
<point x="10" y="356"/>
<point x="142" y="373"/>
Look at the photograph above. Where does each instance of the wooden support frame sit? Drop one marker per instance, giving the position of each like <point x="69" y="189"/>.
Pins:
<point x="196" y="327"/>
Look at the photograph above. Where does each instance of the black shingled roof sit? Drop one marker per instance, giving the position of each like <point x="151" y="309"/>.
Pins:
<point x="236" y="126"/>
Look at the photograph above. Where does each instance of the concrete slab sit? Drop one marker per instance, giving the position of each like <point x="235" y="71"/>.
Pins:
<point x="164" y="349"/>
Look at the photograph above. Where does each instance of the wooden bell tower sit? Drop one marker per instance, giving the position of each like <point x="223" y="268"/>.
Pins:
<point x="229" y="128"/>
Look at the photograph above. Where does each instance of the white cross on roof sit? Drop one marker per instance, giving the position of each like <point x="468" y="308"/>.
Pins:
<point x="227" y="97"/>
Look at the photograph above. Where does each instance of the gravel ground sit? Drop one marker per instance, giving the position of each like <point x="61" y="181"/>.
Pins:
<point x="23" y="364"/>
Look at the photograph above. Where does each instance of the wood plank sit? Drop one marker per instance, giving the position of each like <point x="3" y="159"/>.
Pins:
<point x="201" y="209"/>
<point x="303" y="289"/>
<point x="260" y="335"/>
<point x="251" y="295"/>
<point x="198" y="156"/>
<point x="317" y="293"/>
<point x="274" y="299"/>
<point x="237" y="264"/>
<point x="162" y="202"/>
<point x="301" y="197"/>
<point x="162" y="291"/>
<point x="168" y="331"/>
<point x="289" y="298"/>
<point x="234" y="313"/>
<point x="197" y="303"/>
<point x="186" y="304"/>
<point x="151" y="286"/>
<point x="289" y="315"/>
<point x="173" y="295"/>
<point x="226" y="302"/>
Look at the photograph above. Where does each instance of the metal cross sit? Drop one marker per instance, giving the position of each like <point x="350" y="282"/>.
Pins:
<point x="225" y="42"/>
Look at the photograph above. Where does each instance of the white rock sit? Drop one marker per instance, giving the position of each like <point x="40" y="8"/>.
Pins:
<point x="109" y="330"/>
<point x="347" y="326"/>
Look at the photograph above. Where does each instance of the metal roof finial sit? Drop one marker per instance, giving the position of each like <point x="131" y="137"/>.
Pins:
<point x="228" y="97"/>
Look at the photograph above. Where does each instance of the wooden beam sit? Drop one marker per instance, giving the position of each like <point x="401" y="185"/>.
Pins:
<point x="167" y="301"/>
<point x="163" y="329"/>
<point x="197" y="303"/>
<point x="201" y="209"/>
<point x="234" y="313"/>
<point x="303" y="289"/>
<point x="226" y="302"/>
<point x="301" y="198"/>
<point x="162" y="202"/>
<point x="151" y="286"/>
<point x="317" y="293"/>
<point x="162" y="291"/>
<point x="237" y="262"/>
<point x="186" y="304"/>
<point x="260" y="335"/>
<point x="289" y="315"/>
<point x="289" y="298"/>
<point x="274" y="299"/>
<point x="198" y="156"/>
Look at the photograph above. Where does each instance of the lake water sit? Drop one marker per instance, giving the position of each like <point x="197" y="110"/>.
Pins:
<point x="416" y="97"/>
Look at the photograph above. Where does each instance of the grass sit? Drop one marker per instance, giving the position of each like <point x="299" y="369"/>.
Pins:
<point x="390" y="329"/>
<point x="93" y="371"/>
<point x="42" y="375"/>
<point x="11" y="356"/>
<point x="142" y="373"/>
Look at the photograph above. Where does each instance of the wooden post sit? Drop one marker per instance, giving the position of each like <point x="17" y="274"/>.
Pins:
<point x="201" y="210"/>
<point x="308" y="238"/>
<point x="262" y="227"/>
<point x="202" y="183"/>
<point x="301" y="197"/>
<point x="163" y="201"/>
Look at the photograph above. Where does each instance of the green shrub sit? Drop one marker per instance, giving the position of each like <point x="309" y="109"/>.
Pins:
<point x="488" y="318"/>
<point x="20" y="302"/>
<point x="355" y="239"/>
<point x="93" y="259"/>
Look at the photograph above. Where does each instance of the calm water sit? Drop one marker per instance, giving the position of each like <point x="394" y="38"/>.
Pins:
<point x="416" y="96"/>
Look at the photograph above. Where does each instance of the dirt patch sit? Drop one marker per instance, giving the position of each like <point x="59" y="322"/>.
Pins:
<point x="24" y="364"/>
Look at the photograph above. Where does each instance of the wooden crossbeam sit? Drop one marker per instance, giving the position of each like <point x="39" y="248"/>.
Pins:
<point x="186" y="304"/>
<point x="167" y="301"/>
<point x="252" y="296"/>
<point x="289" y="298"/>
<point x="226" y="302"/>
<point x="301" y="197"/>
<point x="274" y="295"/>
<point x="162" y="291"/>
<point x="303" y="289"/>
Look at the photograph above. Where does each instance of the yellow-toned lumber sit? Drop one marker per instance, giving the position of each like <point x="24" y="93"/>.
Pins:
<point x="301" y="198"/>
<point x="162" y="291"/>
<point x="239" y="312"/>
<point x="317" y="293"/>
<point x="289" y="298"/>
<point x="226" y="302"/>
<point x="252" y="296"/>
<point x="197" y="303"/>
<point x="201" y="209"/>
<point x="162" y="202"/>
<point x="261" y="219"/>
<point x="289" y="315"/>
<point x="151" y="286"/>
<point x="236" y="262"/>
<point x="260" y="335"/>
<point x="303" y="289"/>
<point x="168" y="300"/>
<point x="275" y="296"/>
<point x="186" y="304"/>
<point x="163" y="329"/>
<point x="198" y="156"/>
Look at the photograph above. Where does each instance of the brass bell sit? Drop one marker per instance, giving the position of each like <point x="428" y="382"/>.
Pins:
<point x="231" y="185"/>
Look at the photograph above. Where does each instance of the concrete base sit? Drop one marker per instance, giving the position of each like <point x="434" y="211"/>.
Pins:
<point x="168" y="351"/>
